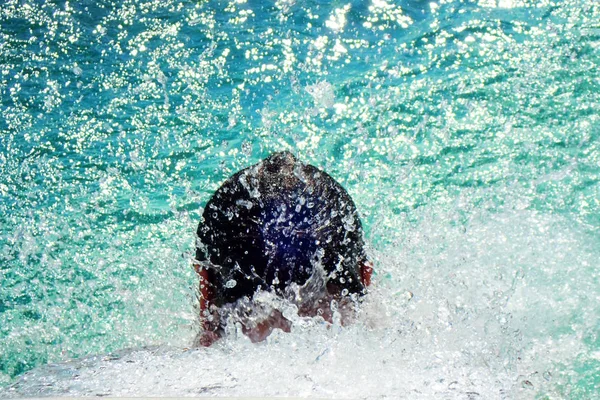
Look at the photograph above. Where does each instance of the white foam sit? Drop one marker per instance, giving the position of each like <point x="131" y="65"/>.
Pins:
<point x="456" y="311"/>
<point x="322" y="93"/>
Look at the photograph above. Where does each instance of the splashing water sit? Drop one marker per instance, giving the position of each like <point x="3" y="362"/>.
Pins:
<point x="467" y="133"/>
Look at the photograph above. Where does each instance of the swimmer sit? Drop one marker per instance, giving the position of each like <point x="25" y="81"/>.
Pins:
<point x="283" y="227"/>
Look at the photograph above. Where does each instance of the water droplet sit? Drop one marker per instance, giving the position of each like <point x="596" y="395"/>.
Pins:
<point x="526" y="384"/>
<point x="230" y="283"/>
<point x="247" y="148"/>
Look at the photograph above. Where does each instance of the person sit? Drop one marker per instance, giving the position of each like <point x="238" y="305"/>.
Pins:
<point x="282" y="227"/>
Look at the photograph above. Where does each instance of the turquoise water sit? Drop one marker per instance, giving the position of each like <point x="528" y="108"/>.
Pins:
<point x="467" y="133"/>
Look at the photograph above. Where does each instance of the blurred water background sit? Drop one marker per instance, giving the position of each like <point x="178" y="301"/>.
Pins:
<point x="467" y="133"/>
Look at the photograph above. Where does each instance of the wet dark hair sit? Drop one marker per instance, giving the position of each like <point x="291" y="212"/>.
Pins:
<point x="270" y="224"/>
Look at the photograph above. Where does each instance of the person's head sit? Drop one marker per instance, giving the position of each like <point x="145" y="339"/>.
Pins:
<point x="281" y="224"/>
